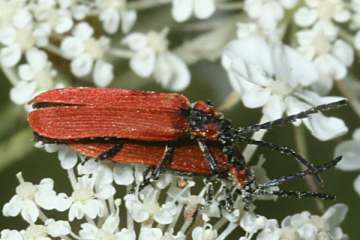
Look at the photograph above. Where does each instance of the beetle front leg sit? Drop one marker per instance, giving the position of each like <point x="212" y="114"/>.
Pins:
<point x="153" y="173"/>
<point x="214" y="169"/>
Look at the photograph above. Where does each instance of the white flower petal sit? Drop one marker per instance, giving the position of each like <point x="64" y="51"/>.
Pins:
<point x="82" y="65"/>
<point x="256" y="98"/>
<point x="350" y="151"/>
<point x="110" y="19"/>
<point x="10" y="56"/>
<point x="335" y="215"/>
<point x="83" y="31"/>
<point x="22" y="18"/>
<point x="64" y="24"/>
<point x="111" y="223"/>
<point x="7" y="35"/>
<point x="93" y="208"/>
<point x="13" y="207"/>
<point x="204" y="8"/>
<point x="143" y="63"/>
<point x="23" y="92"/>
<point x="172" y="72"/>
<point x="135" y="41"/>
<point x="147" y="233"/>
<point x="88" y="231"/>
<point x="125" y="234"/>
<point x="357" y="40"/>
<point x="76" y="211"/>
<point x="344" y="52"/>
<point x="29" y="211"/>
<point x="181" y="9"/>
<point x="105" y="192"/>
<point x="274" y="107"/>
<point x="67" y="157"/>
<point x="62" y="202"/>
<point x="307" y="231"/>
<point x="325" y="128"/>
<point x="357" y="184"/>
<point x="301" y="70"/>
<point x="103" y="73"/>
<point x="251" y="223"/>
<point x="123" y="175"/>
<point x="72" y="47"/>
<point x="25" y="72"/>
<point x="7" y="234"/>
<point x="128" y="19"/>
<point x="57" y="228"/>
<point x="305" y="17"/>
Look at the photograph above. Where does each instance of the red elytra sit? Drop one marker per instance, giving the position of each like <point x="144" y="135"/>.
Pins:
<point x="77" y="113"/>
<point x="187" y="157"/>
<point x="147" y="121"/>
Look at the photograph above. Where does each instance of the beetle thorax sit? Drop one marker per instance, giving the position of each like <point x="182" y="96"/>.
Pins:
<point x="204" y="121"/>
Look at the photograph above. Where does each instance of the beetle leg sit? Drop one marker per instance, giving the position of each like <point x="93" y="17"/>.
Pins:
<point x="111" y="151"/>
<point x="209" y="158"/>
<point x="153" y="173"/>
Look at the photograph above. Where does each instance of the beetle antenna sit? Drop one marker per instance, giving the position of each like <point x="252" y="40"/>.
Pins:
<point x="291" y="118"/>
<point x="283" y="150"/>
<point x="296" y="194"/>
<point x="284" y="179"/>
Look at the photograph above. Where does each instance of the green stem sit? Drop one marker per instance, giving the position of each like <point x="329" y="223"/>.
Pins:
<point x="301" y="146"/>
<point x="144" y="4"/>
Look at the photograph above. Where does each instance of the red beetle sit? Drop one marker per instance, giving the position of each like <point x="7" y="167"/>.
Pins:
<point x="160" y="130"/>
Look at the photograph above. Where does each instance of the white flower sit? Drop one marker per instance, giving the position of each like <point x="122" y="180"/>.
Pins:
<point x="53" y="15"/>
<point x="149" y="208"/>
<point x="204" y="233"/>
<point x="268" y="13"/>
<point x="350" y="152"/>
<point x="275" y="77"/>
<point x="251" y="223"/>
<point x="7" y="234"/>
<point x="331" y="56"/>
<point x="151" y="56"/>
<point x="307" y="226"/>
<point x="57" y="228"/>
<point x="87" y="200"/>
<point x="322" y="10"/>
<point x="108" y="230"/>
<point x="37" y="232"/>
<point x="30" y="197"/>
<point x="86" y="54"/>
<point x="18" y="38"/>
<point x="36" y="75"/>
<point x="183" y="9"/>
<point x="112" y="12"/>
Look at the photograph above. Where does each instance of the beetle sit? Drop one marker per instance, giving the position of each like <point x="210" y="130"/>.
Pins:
<point x="159" y="130"/>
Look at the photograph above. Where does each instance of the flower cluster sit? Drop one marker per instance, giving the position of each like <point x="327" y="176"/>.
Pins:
<point x="36" y="36"/>
<point x="163" y="210"/>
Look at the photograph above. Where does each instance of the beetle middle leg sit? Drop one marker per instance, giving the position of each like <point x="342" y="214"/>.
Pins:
<point x="153" y="173"/>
